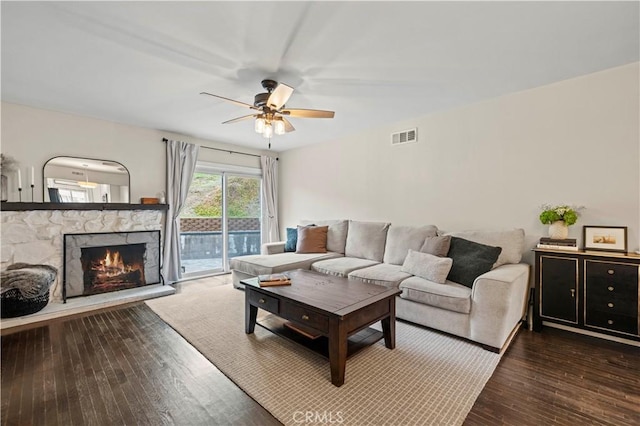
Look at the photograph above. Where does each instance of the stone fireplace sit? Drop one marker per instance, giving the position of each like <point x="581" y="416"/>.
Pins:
<point x="34" y="232"/>
<point x="110" y="261"/>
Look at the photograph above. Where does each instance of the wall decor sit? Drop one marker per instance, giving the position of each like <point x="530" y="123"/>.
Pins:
<point x="605" y="238"/>
<point x="84" y="180"/>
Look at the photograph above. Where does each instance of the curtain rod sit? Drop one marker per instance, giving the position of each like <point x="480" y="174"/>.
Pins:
<point x="224" y="150"/>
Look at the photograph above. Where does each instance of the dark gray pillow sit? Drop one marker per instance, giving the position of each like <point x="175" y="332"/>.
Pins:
<point x="437" y="246"/>
<point x="470" y="260"/>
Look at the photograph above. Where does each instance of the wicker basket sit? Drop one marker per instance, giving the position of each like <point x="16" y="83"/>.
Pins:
<point x="13" y="304"/>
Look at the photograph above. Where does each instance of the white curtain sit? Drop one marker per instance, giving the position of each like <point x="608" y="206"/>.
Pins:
<point x="270" y="230"/>
<point x="181" y="163"/>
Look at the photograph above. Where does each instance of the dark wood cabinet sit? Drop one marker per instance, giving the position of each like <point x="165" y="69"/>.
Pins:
<point x="588" y="291"/>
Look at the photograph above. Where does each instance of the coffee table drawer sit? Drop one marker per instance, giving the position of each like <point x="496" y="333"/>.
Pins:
<point x="265" y="302"/>
<point x="302" y="315"/>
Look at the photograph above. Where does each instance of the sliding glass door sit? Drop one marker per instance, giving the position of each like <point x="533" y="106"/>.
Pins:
<point x="221" y="219"/>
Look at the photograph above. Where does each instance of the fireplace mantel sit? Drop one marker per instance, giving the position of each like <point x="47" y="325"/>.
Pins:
<point x="13" y="206"/>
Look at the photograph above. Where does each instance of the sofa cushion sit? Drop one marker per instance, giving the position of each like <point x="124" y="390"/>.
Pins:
<point x="382" y="274"/>
<point x="255" y="265"/>
<point x="437" y="246"/>
<point x="366" y="240"/>
<point x="470" y="260"/>
<point x="450" y="296"/>
<point x="312" y="239"/>
<point x="292" y="239"/>
<point x="401" y="239"/>
<point x="511" y="241"/>
<point x="427" y="266"/>
<point x="342" y="266"/>
<point x="337" y="235"/>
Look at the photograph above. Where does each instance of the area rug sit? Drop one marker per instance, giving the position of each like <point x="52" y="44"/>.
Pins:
<point x="429" y="378"/>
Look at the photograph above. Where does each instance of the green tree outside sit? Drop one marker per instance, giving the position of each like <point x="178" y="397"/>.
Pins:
<point x="205" y="197"/>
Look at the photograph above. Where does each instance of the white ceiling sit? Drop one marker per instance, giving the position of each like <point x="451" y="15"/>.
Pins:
<point x="145" y="63"/>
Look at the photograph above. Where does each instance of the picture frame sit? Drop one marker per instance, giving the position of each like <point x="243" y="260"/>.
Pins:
<point x="605" y="238"/>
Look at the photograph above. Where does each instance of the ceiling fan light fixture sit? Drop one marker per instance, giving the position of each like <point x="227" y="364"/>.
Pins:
<point x="268" y="131"/>
<point x="278" y="126"/>
<point x="259" y="125"/>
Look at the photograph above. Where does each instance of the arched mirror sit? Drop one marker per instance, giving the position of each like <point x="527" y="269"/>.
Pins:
<point x="85" y="180"/>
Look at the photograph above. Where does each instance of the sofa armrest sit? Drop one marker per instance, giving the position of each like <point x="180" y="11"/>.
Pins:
<point x="273" y="248"/>
<point x="498" y="302"/>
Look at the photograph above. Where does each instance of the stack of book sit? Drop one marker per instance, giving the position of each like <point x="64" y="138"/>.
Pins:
<point x="555" y="244"/>
<point x="272" y="280"/>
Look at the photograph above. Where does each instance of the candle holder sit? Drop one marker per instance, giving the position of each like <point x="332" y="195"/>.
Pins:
<point x="32" y="200"/>
<point x="19" y="195"/>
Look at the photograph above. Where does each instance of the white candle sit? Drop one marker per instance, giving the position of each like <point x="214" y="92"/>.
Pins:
<point x="33" y="176"/>
<point x="19" y="179"/>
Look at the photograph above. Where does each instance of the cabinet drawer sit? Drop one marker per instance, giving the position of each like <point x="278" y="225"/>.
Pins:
<point x="612" y="321"/>
<point x="302" y="315"/>
<point x="606" y="273"/>
<point x="613" y="305"/>
<point x="263" y="301"/>
<point x="611" y="290"/>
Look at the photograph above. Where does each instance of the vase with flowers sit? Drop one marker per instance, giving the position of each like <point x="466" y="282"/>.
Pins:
<point x="559" y="218"/>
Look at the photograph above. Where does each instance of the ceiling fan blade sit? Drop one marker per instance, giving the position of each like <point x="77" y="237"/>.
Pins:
<point x="279" y="96"/>
<point x="308" y="113"/>
<point x="235" y="120"/>
<point x="242" y="104"/>
<point x="288" y="127"/>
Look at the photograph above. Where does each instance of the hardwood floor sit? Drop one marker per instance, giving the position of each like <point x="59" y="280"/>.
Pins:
<point x="126" y="366"/>
<point x="558" y="377"/>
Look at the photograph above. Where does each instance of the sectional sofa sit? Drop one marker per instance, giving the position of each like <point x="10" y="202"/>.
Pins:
<point x="487" y="310"/>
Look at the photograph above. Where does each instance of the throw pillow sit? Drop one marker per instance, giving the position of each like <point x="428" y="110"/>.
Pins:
<point x="292" y="239"/>
<point x="427" y="266"/>
<point x="312" y="239"/>
<point x="470" y="260"/>
<point x="437" y="246"/>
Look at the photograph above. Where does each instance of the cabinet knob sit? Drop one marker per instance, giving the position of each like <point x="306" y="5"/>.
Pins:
<point x="609" y="322"/>
<point x="305" y="317"/>
<point x="611" y="272"/>
<point x="573" y="293"/>
<point x="610" y="305"/>
<point x="262" y="301"/>
<point x="610" y="288"/>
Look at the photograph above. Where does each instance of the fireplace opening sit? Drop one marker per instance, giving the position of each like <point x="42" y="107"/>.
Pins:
<point x="112" y="267"/>
<point x="104" y="262"/>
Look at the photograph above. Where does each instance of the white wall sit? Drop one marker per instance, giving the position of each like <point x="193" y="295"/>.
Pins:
<point x="32" y="136"/>
<point x="487" y="165"/>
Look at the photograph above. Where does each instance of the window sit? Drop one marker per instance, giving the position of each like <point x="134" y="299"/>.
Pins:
<point x="221" y="218"/>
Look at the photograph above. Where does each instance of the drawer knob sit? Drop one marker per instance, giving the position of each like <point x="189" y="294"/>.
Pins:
<point x="262" y="301"/>
<point x="610" y="288"/>
<point x="305" y="317"/>
<point x="610" y="305"/>
<point x="611" y="272"/>
<point x="609" y="322"/>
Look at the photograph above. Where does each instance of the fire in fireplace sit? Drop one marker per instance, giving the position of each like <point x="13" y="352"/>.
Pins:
<point x="110" y="261"/>
<point x="113" y="267"/>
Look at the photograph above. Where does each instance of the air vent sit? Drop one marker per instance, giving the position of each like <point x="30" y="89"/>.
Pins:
<point x="405" y="136"/>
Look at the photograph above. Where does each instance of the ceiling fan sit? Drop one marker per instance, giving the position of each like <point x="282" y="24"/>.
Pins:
<point x="271" y="112"/>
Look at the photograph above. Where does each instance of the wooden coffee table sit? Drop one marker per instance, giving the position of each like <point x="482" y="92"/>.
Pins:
<point x="334" y="307"/>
